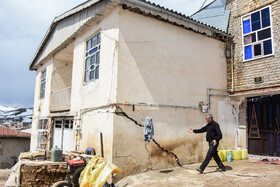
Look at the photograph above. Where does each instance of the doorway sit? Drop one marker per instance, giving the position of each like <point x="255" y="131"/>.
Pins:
<point x="264" y="125"/>
<point x="63" y="133"/>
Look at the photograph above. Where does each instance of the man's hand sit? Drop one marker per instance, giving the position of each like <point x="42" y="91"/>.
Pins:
<point x="214" y="142"/>
<point x="190" y="131"/>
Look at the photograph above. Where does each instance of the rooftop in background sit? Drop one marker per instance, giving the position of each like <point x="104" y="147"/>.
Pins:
<point x="7" y="132"/>
<point x="214" y="14"/>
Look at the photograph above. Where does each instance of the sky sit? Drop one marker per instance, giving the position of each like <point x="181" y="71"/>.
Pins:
<point x="24" y="23"/>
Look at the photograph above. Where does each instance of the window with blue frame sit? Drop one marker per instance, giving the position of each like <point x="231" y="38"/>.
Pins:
<point x="257" y="34"/>
<point x="92" y="58"/>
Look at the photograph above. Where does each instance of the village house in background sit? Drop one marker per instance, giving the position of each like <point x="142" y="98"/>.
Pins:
<point x="254" y="79"/>
<point x="12" y="143"/>
<point x="18" y="118"/>
<point x="253" y="69"/>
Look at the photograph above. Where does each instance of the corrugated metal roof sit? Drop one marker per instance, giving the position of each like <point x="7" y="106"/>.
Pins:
<point x="214" y="14"/>
<point x="7" y="132"/>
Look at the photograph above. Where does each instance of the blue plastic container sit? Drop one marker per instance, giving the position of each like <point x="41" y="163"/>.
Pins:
<point x="229" y="157"/>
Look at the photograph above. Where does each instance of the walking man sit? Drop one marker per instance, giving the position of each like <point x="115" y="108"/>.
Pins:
<point x="213" y="136"/>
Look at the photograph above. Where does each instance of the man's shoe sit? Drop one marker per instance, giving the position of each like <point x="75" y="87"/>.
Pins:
<point x="221" y="169"/>
<point x="199" y="170"/>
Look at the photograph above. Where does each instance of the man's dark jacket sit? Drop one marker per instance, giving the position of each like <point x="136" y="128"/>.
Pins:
<point x="213" y="131"/>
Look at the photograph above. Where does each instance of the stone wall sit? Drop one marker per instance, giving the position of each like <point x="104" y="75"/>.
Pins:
<point x="268" y="67"/>
<point x="42" y="174"/>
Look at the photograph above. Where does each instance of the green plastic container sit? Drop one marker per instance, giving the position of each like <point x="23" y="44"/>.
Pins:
<point x="56" y="155"/>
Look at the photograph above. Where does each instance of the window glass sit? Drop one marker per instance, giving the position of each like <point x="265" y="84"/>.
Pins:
<point x="43" y="84"/>
<point x="93" y="60"/>
<point x="267" y="47"/>
<point x="257" y="50"/>
<point x="264" y="34"/>
<point x="256" y="23"/>
<point x="248" y="52"/>
<point x="246" y="26"/>
<point x="249" y="38"/>
<point x="265" y="17"/>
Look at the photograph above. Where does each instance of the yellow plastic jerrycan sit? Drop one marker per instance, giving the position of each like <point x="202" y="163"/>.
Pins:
<point x="237" y="154"/>
<point x="244" y="154"/>
<point x="225" y="152"/>
<point x="221" y="155"/>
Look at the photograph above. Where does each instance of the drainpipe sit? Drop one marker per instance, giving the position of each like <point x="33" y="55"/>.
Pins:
<point x="231" y="56"/>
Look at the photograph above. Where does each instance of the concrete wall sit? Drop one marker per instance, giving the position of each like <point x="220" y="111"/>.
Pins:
<point x="268" y="67"/>
<point x="163" y="64"/>
<point x="12" y="147"/>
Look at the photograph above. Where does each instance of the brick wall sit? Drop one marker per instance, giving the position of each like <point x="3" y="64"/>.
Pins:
<point x="268" y="67"/>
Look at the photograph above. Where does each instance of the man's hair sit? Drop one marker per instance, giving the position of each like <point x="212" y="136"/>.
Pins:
<point x="210" y="116"/>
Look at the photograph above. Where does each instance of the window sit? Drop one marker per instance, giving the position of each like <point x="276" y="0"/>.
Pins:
<point x="92" y="58"/>
<point x="41" y="129"/>
<point x="257" y="34"/>
<point x="43" y="84"/>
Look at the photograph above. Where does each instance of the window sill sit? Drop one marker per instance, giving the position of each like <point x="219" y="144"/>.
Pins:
<point x="90" y="82"/>
<point x="271" y="55"/>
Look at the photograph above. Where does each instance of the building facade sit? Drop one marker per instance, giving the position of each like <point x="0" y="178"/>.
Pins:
<point x="254" y="71"/>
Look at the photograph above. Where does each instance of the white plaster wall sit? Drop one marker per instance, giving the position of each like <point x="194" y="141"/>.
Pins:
<point x="160" y="63"/>
<point x="101" y="91"/>
<point x="41" y="106"/>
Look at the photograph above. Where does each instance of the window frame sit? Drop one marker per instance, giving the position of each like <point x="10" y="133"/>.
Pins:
<point x="43" y="81"/>
<point x="256" y="36"/>
<point x="41" y="130"/>
<point x="87" y="56"/>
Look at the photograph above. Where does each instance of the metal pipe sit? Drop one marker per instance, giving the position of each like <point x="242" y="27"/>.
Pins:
<point x="158" y="105"/>
<point x="136" y="104"/>
<point x="101" y="144"/>
<point x="231" y="56"/>
<point x="217" y="89"/>
<point x="218" y="95"/>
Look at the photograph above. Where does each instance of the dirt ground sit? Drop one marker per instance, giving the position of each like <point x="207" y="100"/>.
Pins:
<point x="238" y="173"/>
<point x="4" y="174"/>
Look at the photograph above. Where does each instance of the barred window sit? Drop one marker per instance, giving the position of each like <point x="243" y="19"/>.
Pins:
<point x="92" y="58"/>
<point x="43" y="84"/>
<point x="257" y="34"/>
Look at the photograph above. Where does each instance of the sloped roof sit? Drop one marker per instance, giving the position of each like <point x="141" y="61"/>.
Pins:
<point x="143" y="5"/>
<point x="8" y="132"/>
<point x="214" y="14"/>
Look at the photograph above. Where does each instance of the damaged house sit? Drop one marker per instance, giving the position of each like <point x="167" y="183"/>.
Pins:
<point x="106" y="65"/>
